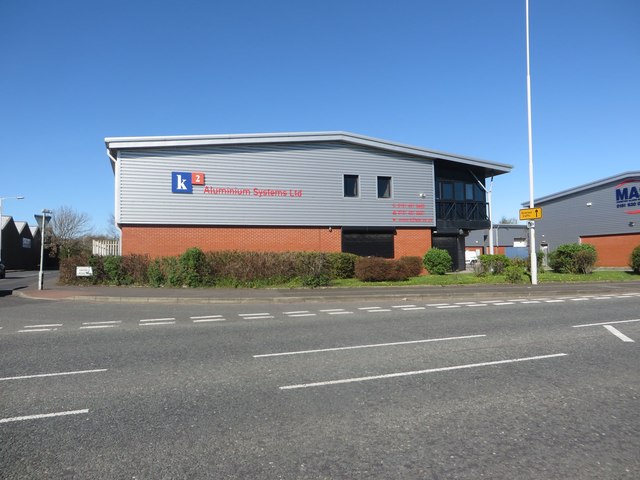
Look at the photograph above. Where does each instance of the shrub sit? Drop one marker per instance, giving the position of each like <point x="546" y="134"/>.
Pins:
<point x="376" y="269"/>
<point x="634" y="261"/>
<point x="437" y="261"/>
<point x="494" y="264"/>
<point x="113" y="270"/>
<point x="412" y="266"/>
<point x="193" y="267"/>
<point x="343" y="265"/>
<point x="514" y="274"/>
<point x="313" y="268"/>
<point x="567" y="259"/>
<point x="136" y="268"/>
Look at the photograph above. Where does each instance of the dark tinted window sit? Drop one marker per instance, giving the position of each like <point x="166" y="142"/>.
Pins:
<point x="384" y="187"/>
<point x="351" y="185"/>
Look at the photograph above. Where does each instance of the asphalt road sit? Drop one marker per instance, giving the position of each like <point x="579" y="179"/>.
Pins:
<point x="540" y="388"/>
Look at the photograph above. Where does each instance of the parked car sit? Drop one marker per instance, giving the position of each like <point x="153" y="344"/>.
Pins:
<point x="2" y="270"/>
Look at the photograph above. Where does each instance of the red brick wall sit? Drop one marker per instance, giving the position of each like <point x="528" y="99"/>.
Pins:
<point x="166" y="240"/>
<point x="613" y="250"/>
<point x="412" y="242"/>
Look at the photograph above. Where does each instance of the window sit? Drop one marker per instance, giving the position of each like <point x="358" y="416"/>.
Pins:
<point x="384" y="187"/>
<point x="351" y="185"/>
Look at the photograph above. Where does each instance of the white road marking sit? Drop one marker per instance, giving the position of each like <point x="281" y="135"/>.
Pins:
<point x="581" y="299"/>
<point x="504" y="303"/>
<point x="332" y="310"/>
<point x="156" y="323"/>
<point x="531" y="301"/>
<point x="340" y="313"/>
<point x="606" y="323"/>
<point x="43" y="415"/>
<point x="402" y="306"/>
<point x="490" y="301"/>
<point x="618" y="333"/>
<point x="378" y="310"/>
<point x="450" y="306"/>
<point x="296" y="312"/>
<point x="157" y="319"/>
<point x="205" y="316"/>
<point x="369" y="308"/>
<point x="354" y="347"/>
<point x="302" y="315"/>
<point x="207" y="320"/>
<point x="43" y="326"/>
<point x="97" y="326"/>
<point x="418" y="372"/>
<point x="553" y="301"/>
<point x="102" y="323"/>
<point x="436" y="304"/>
<point x="252" y="314"/>
<point x="38" y="330"/>
<point x="414" y="308"/>
<point x="464" y="303"/>
<point x="478" y="305"/>
<point x="41" y="375"/>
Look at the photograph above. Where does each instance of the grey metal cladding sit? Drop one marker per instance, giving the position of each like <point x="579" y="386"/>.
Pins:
<point x="312" y="170"/>
<point x="591" y="211"/>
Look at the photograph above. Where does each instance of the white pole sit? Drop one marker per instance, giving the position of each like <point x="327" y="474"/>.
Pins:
<point x="489" y="192"/>
<point x="532" y="230"/>
<point x="41" y="274"/>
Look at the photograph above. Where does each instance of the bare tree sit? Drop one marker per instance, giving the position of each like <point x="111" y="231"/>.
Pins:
<point x="68" y="230"/>
<point x="508" y="221"/>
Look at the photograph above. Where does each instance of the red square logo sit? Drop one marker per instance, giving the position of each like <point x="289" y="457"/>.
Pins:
<point x="197" y="178"/>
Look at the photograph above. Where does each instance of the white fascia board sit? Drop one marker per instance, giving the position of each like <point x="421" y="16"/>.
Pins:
<point x="116" y="143"/>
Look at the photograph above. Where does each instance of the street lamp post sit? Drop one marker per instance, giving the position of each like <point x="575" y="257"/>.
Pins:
<point x="532" y="225"/>
<point x="44" y="221"/>
<point x="1" y="199"/>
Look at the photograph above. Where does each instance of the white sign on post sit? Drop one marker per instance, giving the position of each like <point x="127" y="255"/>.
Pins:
<point x="84" y="271"/>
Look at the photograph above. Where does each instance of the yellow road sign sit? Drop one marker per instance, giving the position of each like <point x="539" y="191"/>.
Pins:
<point x="530" y="213"/>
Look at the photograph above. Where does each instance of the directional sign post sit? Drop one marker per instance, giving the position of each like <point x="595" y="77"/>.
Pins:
<point x="530" y="213"/>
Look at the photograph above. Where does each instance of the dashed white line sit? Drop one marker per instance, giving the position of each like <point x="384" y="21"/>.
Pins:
<point x="103" y="323"/>
<point x="201" y="317"/>
<point x="531" y="301"/>
<point x="38" y="330"/>
<point x="553" y="301"/>
<point x="302" y="315"/>
<point x="43" y="326"/>
<point x="581" y="299"/>
<point x="43" y="415"/>
<point x="369" y="308"/>
<point x="157" y="323"/>
<point x="96" y="326"/>
<point x="419" y="372"/>
<point x="332" y="310"/>
<point x="208" y="320"/>
<point x="158" y="319"/>
<point x="450" y="306"/>
<point x="252" y="314"/>
<point x="414" y="308"/>
<point x="618" y="333"/>
<point x="436" y="304"/>
<point x="340" y="313"/>
<point x="504" y="303"/>
<point x="354" y="347"/>
<point x="478" y="305"/>
<point x="402" y="306"/>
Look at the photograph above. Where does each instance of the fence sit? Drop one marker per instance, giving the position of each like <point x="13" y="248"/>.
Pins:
<point x="106" y="247"/>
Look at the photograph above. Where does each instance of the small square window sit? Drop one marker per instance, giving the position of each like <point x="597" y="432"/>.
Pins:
<point x="351" y="185"/>
<point x="384" y="187"/>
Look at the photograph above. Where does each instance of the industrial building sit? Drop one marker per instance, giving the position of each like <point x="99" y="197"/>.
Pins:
<point x="604" y="213"/>
<point x="324" y="191"/>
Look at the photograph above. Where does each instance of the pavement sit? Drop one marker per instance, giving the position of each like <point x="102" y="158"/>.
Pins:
<point x="107" y="294"/>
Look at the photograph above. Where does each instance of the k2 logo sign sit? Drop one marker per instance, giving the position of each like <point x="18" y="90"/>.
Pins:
<point x="183" y="182"/>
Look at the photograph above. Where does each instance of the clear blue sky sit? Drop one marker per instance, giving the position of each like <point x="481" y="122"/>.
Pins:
<point x="444" y="75"/>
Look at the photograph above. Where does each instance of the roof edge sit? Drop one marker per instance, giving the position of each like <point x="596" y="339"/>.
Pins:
<point x="117" y="143"/>
<point x="586" y="186"/>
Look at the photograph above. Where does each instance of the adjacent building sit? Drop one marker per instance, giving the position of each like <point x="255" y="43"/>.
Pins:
<point x="604" y="213"/>
<point x="325" y="191"/>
